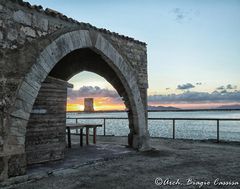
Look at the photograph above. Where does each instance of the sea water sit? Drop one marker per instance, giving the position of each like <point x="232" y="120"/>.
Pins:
<point x="185" y="129"/>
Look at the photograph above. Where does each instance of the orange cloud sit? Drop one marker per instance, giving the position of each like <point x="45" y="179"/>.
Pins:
<point x="100" y="103"/>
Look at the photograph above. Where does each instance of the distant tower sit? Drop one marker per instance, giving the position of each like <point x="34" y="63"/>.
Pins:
<point x="88" y="105"/>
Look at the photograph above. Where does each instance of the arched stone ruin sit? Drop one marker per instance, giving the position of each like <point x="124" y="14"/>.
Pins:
<point x="43" y="48"/>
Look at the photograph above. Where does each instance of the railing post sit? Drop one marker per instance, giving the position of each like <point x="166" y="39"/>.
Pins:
<point x="173" y="128"/>
<point x="76" y="121"/>
<point x="104" y="126"/>
<point x="217" y="130"/>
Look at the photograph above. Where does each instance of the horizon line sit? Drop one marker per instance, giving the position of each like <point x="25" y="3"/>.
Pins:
<point x="177" y="110"/>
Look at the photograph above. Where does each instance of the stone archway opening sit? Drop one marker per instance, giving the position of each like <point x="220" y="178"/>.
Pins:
<point x="106" y="103"/>
<point x="45" y="133"/>
<point x="89" y="59"/>
<point x="91" y="85"/>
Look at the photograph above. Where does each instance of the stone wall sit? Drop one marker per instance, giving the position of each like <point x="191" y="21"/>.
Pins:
<point x="45" y="136"/>
<point x="25" y="32"/>
<point x="21" y="23"/>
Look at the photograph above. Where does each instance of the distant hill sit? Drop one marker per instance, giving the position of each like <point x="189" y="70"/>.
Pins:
<point x="228" y="107"/>
<point x="162" y="108"/>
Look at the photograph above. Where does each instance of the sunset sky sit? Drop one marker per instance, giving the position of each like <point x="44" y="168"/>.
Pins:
<point x="193" y="49"/>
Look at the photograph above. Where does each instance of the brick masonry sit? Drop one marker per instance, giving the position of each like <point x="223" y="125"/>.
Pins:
<point x="32" y="42"/>
<point x="45" y="134"/>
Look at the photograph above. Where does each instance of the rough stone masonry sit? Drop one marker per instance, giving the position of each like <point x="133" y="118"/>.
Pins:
<point x="37" y="43"/>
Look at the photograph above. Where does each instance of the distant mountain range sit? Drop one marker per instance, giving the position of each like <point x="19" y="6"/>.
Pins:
<point x="224" y="107"/>
<point x="227" y="107"/>
<point x="162" y="108"/>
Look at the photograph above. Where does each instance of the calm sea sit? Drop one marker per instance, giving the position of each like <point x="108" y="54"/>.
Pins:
<point x="229" y="130"/>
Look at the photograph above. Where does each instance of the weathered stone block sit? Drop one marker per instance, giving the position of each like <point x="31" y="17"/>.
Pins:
<point x="22" y="17"/>
<point x="1" y="23"/>
<point x="17" y="165"/>
<point x="25" y="96"/>
<point x="12" y="140"/>
<point x="33" y="91"/>
<point x="21" y="114"/>
<point x="18" y="127"/>
<point x="40" y="33"/>
<point x="45" y="136"/>
<point x="12" y="34"/>
<point x="28" y="31"/>
<point x="36" y="75"/>
<point x="47" y="59"/>
<point x="3" y="168"/>
<point x="21" y="104"/>
<point x="21" y="140"/>
<point x="1" y="144"/>
<point x="80" y="39"/>
<point x="1" y="165"/>
<point x="46" y="62"/>
<point x="1" y="35"/>
<point x="41" y="23"/>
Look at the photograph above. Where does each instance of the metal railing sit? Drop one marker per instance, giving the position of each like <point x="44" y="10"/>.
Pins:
<point x="173" y="122"/>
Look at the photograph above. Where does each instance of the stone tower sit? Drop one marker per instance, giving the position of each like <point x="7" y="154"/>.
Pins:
<point x="88" y="105"/>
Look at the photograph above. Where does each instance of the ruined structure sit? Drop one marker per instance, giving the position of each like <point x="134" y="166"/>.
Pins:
<point x="45" y="133"/>
<point x="40" y="49"/>
<point x="88" y="105"/>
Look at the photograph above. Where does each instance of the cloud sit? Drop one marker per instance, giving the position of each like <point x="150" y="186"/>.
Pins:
<point x="186" y="97"/>
<point x="185" y="86"/>
<point x="220" y="88"/>
<point x="89" y="91"/>
<point x="197" y="97"/>
<point x="229" y="86"/>
<point x="223" y="91"/>
<point x="181" y="15"/>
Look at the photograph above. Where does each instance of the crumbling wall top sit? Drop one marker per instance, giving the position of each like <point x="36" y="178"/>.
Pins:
<point x="56" y="14"/>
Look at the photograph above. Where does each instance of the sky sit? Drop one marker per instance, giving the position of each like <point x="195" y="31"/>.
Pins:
<point x="193" y="46"/>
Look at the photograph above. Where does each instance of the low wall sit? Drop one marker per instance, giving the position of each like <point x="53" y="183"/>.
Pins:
<point x="45" y="136"/>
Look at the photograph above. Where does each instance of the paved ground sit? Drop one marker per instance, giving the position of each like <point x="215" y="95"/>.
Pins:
<point x="79" y="156"/>
<point x="181" y="164"/>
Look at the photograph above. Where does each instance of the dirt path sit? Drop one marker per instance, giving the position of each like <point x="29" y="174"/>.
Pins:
<point x="201" y="162"/>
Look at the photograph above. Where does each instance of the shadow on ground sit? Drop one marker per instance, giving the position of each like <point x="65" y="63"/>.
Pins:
<point x="171" y="164"/>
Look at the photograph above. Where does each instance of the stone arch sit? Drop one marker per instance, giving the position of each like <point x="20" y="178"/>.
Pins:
<point x="86" y="59"/>
<point x="66" y="44"/>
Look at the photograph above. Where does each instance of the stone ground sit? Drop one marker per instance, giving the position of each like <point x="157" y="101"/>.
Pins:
<point x="111" y="165"/>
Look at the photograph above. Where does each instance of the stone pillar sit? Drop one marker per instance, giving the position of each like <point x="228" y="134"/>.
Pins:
<point x="45" y="136"/>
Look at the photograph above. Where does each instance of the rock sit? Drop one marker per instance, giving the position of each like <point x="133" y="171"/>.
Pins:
<point x="17" y="165"/>
<point x="12" y="35"/>
<point x="1" y="23"/>
<point x="40" y="23"/>
<point x="1" y="35"/>
<point x="22" y="17"/>
<point x="40" y="33"/>
<point x="28" y="31"/>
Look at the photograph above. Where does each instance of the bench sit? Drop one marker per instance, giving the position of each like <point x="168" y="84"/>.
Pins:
<point x="70" y="127"/>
